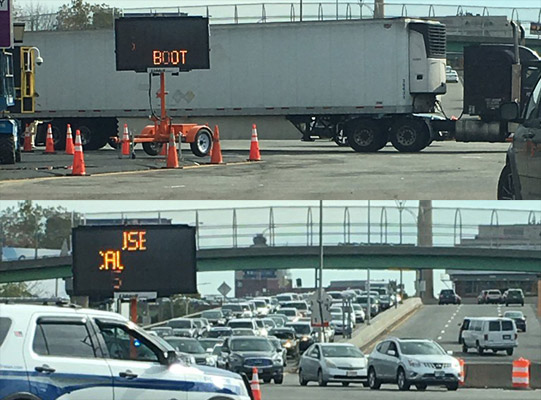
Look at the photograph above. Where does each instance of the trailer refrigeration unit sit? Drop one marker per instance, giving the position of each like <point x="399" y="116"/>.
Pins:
<point x="358" y="77"/>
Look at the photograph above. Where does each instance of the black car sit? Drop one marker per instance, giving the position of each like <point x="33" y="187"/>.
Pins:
<point x="304" y="333"/>
<point x="243" y="353"/>
<point x="518" y="317"/>
<point x="514" y="296"/>
<point x="288" y="339"/>
<point x="448" y="296"/>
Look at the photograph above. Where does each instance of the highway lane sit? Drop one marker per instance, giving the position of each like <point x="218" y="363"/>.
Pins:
<point x="440" y="323"/>
<point x="291" y="390"/>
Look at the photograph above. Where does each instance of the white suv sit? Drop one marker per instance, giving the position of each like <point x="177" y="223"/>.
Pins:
<point x="57" y="352"/>
<point x="490" y="334"/>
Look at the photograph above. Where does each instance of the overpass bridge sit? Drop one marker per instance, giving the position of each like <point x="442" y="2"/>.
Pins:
<point x="307" y="257"/>
<point x="354" y="236"/>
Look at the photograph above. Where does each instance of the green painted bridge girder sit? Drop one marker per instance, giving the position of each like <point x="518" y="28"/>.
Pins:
<point x="336" y="257"/>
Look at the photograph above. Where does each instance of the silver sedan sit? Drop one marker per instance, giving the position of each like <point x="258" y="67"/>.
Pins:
<point x="333" y="362"/>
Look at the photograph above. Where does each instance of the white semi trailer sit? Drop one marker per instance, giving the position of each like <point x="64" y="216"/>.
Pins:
<point x="364" y="80"/>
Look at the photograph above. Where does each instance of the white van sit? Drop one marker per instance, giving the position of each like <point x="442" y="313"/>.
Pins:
<point x="490" y="333"/>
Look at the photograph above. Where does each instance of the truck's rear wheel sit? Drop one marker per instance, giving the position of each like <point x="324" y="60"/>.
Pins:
<point x="152" y="148"/>
<point x="409" y="135"/>
<point x="202" y="143"/>
<point x="7" y="149"/>
<point x="365" y="135"/>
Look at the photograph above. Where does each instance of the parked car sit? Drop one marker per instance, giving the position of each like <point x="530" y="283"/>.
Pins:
<point x="300" y="305"/>
<point x="214" y="317"/>
<point x="406" y="362"/>
<point x="451" y="76"/>
<point x="184" y="323"/>
<point x="209" y="343"/>
<point x="448" y="296"/>
<point x="514" y="296"/>
<point x="279" y="319"/>
<point x="193" y="347"/>
<point x="246" y="323"/>
<point x="518" y="317"/>
<point x="162" y="331"/>
<point x="244" y="332"/>
<point x="244" y="352"/>
<point x="336" y="362"/>
<point x="292" y="314"/>
<point x="494" y="296"/>
<point x="218" y="332"/>
<point x="304" y="333"/>
<point x="520" y="178"/>
<point x="490" y="333"/>
<point x="57" y="352"/>
<point x="277" y="343"/>
<point x="482" y="298"/>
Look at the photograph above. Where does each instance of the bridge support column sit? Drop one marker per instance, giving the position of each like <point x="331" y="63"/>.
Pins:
<point x="424" y="239"/>
<point x="539" y="296"/>
<point x="80" y="300"/>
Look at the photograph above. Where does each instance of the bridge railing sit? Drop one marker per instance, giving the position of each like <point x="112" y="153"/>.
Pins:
<point x="386" y="223"/>
<point x="302" y="10"/>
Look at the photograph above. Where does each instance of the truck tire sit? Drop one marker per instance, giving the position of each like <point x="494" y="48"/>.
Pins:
<point x="506" y="188"/>
<point x="365" y="135"/>
<point x="202" y="143"/>
<point x="409" y="135"/>
<point x="152" y="148"/>
<point x="7" y="149"/>
<point x="94" y="133"/>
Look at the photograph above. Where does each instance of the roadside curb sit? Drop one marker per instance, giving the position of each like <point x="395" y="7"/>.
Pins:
<point x="385" y="324"/>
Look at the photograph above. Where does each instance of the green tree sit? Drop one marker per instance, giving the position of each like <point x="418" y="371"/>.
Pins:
<point x="80" y="15"/>
<point x="16" y="289"/>
<point x="31" y="225"/>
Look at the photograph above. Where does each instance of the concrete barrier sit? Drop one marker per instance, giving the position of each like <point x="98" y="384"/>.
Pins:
<point x="497" y="375"/>
<point x="384" y="323"/>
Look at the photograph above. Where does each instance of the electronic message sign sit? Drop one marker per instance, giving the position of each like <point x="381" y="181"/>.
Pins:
<point x="134" y="258"/>
<point x="162" y="42"/>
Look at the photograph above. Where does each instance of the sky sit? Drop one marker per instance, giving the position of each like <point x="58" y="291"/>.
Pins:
<point x="208" y="282"/>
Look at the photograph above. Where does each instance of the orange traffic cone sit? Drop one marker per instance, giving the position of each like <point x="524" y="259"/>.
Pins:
<point x="256" y="390"/>
<point x="172" y="156"/>
<point x="27" y="148"/>
<point x="164" y="150"/>
<point x="49" y="142"/>
<point x="254" y="146"/>
<point x="126" y="141"/>
<point x="216" y="151"/>
<point x="69" y="141"/>
<point x="78" y="158"/>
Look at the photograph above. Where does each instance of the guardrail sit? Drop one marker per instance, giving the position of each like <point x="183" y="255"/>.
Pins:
<point x="296" y="225"/>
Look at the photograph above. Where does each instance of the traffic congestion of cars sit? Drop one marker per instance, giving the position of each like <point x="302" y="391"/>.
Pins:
<point x="219" y="349"/>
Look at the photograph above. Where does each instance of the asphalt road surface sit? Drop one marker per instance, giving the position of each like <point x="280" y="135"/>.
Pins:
<point x="291" y="390"/>
<point x="440" y="323"/>
<point x="289" y="170"/>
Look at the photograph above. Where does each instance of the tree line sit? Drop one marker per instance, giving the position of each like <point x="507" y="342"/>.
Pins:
<point x="77" y="15"/>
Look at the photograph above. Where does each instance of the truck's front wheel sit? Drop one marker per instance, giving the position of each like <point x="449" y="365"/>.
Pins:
<point x="365" y="135"/>
<point x="7" y="149"/>
<point x="409" y="135"/>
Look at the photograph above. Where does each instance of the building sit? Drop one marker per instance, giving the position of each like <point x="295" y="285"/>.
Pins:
<point x="470" y="283"/>
<point x="518" y="236"/>
<point x="265" y="282"/>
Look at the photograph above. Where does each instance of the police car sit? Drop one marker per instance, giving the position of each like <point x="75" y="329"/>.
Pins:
<point x="65" y="352"/>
